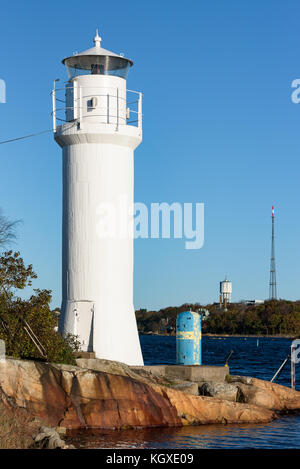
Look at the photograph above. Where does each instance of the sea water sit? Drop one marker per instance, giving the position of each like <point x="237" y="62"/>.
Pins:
<point x="251" y="357"/>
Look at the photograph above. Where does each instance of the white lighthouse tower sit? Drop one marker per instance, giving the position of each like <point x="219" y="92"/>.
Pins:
<point x="98" y="136"/>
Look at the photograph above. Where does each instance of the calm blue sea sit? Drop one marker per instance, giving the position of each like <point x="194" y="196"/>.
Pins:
<point x="259" y="358"/>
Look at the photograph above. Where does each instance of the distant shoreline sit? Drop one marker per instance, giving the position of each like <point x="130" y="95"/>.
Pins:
<point x="276" y="336"/>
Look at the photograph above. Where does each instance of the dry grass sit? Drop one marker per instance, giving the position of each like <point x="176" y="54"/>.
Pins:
<point x="16" y="428"/>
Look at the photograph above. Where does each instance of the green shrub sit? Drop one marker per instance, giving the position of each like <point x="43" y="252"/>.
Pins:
<point x="28" y="327"/>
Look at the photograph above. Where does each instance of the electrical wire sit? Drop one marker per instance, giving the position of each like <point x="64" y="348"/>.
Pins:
<point x="26" y="136"/>
<point x="34" y="135"/>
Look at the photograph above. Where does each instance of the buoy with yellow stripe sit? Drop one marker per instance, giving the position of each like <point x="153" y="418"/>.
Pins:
<point x="188" y="338"/>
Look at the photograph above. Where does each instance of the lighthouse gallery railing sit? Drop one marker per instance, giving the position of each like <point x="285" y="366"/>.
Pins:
<point x="133" y="102"/>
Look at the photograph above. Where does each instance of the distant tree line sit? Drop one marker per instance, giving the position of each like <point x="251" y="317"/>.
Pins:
<point x="275" y="317"/>
<point x="163" y="320"/>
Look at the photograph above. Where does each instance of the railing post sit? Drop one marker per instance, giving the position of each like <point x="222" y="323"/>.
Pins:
<point x="75" y="100"/>
<point x="107" y="108"/>
<point x="140" y="115"/>
<point x="293" y="370"/>
<point x="54" y="110"/>
<point x="80" y="104"/>
<point x="117" y="108"/>
<point x="280" y="368"/>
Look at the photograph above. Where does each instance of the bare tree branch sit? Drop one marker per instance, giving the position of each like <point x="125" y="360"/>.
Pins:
<point x="7" y="229"/>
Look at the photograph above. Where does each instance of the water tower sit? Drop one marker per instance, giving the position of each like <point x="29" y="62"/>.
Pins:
<point x="98" y="136"/>
<point x="225" y="292"/>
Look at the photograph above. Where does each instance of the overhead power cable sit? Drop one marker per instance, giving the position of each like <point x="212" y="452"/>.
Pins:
<point x="26" y="136"/>
<point x="34" y="135"/>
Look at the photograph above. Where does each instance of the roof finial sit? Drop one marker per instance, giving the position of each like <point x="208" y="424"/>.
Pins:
<point x="97" y="39"/>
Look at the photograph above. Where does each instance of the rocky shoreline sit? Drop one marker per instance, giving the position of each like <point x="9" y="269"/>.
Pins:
<point x="110" y="395"/>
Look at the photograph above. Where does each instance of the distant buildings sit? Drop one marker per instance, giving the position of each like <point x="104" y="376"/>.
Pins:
<point x="252" y="302"/>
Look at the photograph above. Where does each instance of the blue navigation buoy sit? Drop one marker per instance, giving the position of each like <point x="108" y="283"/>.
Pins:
<point x="188" y="338"/>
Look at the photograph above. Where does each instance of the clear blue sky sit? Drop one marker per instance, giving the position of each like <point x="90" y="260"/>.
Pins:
<point x="219" y="128"/>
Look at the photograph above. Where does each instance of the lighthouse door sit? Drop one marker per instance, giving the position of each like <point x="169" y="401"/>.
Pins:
<point x="84" y="323"/>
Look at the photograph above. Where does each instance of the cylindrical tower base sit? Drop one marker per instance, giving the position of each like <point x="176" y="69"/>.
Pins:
<point x="97" y="305"/>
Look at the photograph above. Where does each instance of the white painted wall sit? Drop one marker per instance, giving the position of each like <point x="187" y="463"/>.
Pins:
<point x="98" y="167"/>
<point x="110" y="94"/>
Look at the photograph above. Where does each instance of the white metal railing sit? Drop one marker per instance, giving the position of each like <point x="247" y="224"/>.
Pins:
<point x="133" y="113"/>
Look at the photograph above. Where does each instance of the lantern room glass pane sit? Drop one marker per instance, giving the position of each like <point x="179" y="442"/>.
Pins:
<point x="97" y="65"/>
